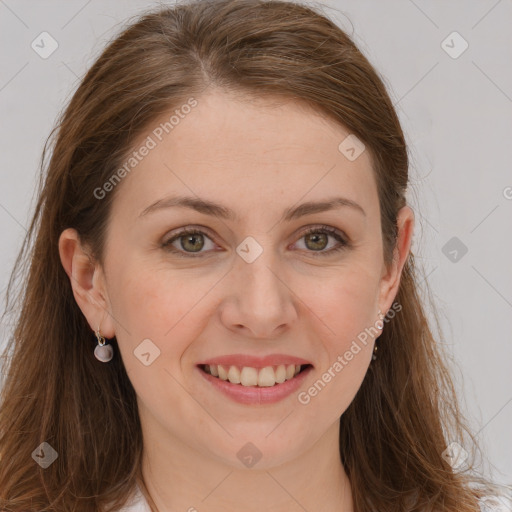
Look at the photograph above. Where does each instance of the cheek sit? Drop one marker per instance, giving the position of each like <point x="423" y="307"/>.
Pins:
<point x="347" y="356"/>
<point x="346" y="308"/>
<point x="345" y="302"/>
<point x="148" y="304"/>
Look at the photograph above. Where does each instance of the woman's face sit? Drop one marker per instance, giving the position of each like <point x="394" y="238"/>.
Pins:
<point x="251" y="283"/>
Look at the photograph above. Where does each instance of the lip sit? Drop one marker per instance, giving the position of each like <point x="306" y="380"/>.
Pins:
<point x="251" y="395"/>
<point x="241" y="360"/>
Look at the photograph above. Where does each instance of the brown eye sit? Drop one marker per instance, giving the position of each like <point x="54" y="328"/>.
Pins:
<point x="316" y="241"/>
<point x="188" y="242"/>
<point x="193" y="242"/>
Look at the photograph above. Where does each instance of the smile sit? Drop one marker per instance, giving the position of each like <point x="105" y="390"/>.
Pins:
<point x="248" y="376"/>
<point x="255" y="386"/>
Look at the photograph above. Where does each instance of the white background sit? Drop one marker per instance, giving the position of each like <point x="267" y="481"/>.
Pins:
<point x="456" y="113"/>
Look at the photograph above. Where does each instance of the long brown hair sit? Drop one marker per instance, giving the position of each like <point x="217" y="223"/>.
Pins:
<point x="393" y="434"/>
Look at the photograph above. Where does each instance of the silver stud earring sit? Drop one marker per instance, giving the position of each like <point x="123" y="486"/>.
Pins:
<point x="103" y="352"/>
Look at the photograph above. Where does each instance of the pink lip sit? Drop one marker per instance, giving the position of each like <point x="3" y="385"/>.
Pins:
<point x="241" y="360"/>
<point x="252" y="395"/>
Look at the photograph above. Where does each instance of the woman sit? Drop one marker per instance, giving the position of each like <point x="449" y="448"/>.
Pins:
<point x="221" y="309"/>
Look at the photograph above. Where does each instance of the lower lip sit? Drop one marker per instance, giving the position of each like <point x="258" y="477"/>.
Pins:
<point x="253" y="395"/>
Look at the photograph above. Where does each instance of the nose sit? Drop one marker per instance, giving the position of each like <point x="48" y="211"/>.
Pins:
<point x="259" y="301"/>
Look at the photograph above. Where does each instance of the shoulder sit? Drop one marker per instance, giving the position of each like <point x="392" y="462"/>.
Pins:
<point x="497" y="502"/>
<point x="137" y="503"/>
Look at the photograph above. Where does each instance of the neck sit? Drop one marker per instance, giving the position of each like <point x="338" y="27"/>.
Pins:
<point x="179" y="477"/>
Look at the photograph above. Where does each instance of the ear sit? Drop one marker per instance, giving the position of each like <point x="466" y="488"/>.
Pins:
<point x="87" y="281"/>
<point x="390" y="280"/>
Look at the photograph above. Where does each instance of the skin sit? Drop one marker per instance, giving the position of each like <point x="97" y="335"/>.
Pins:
<point x="256" y="157"/>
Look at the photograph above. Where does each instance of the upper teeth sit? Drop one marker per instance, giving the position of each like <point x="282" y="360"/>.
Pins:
<point x="248" y="376"/>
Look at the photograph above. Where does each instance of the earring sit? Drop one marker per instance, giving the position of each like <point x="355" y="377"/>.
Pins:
<point x="103" y="352"/>
<point x="374" y="355"/>
<point x="380" y="327"/>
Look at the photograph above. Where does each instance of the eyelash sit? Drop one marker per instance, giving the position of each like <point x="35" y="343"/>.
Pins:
<point x="344" y="244"/>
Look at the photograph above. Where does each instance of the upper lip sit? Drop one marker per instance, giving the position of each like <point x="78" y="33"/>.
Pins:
<point x="254" y="361"/>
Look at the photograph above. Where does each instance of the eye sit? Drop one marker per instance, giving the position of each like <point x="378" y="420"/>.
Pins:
<point x="316" y="239"/>
<point x="189" y="240"/>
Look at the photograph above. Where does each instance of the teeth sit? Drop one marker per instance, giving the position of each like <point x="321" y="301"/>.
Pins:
<point x="266" y="377"/>
<point x="234" y="375"/>
<point x="248" y="376"/>
<point x="281" y="374"/>
<point x="223" y="374"/>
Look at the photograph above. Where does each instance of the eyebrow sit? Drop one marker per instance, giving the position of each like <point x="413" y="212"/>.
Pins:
<point x="222" y="212"/>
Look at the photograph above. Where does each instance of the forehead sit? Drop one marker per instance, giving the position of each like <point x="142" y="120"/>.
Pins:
<point x="252" y="152"/>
